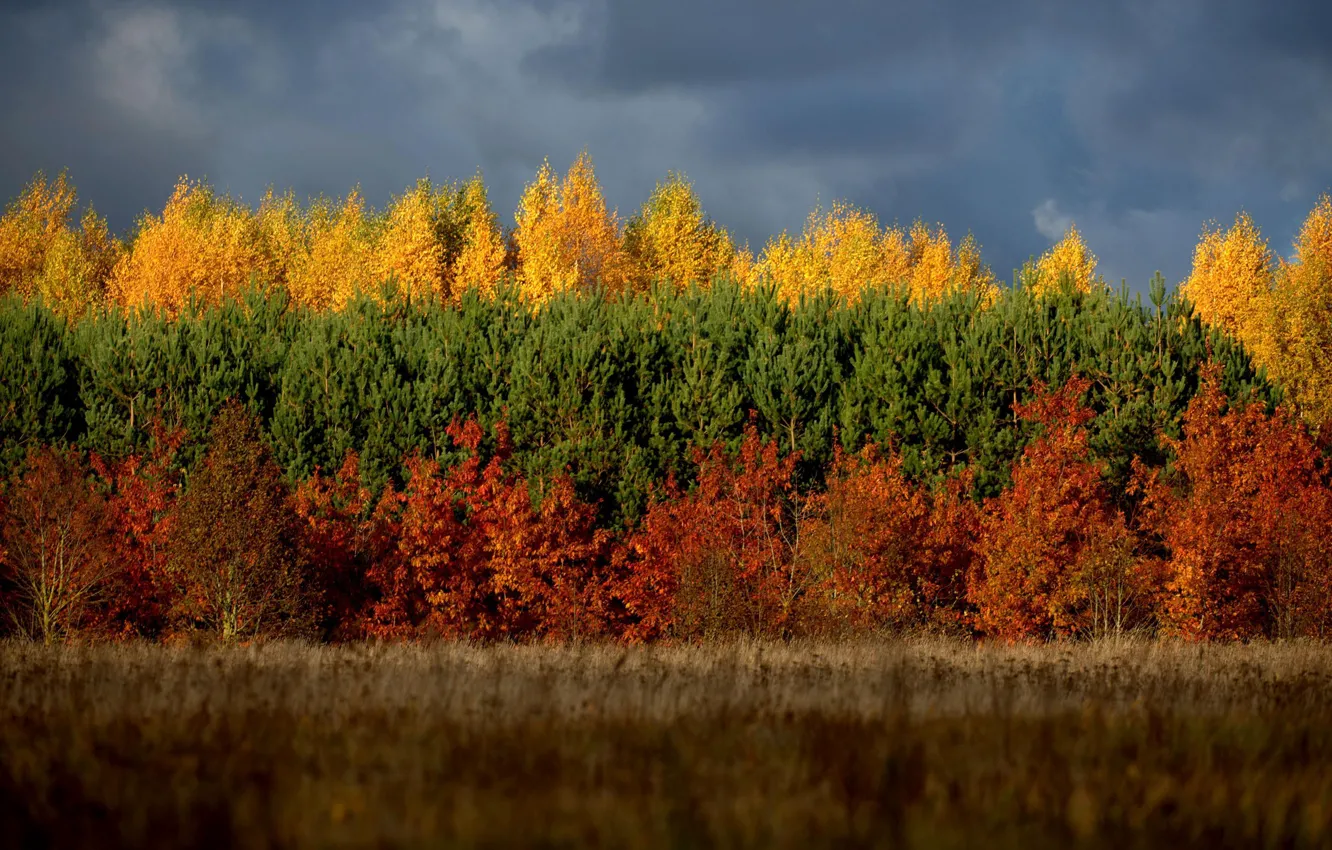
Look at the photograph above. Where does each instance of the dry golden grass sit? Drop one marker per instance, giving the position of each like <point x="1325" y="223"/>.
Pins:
<point x="922" y="743"/>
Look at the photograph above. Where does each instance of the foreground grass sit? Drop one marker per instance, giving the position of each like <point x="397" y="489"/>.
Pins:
<point x="928" y="744"/>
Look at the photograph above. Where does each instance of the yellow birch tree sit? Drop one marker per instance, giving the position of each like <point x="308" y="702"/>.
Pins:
<point x="200" y="245"/>
<point x="1068" y="258"/>
<point x="1231" y="284"/>
<point x="480" y="263"/>
<point x="566" y="238"/>
<point x="671" y="239"/>
<point x="1302" y="318"/>
<point x="410" y="250"/>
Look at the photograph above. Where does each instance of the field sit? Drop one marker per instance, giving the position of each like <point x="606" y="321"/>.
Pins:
<point x="920" y="743"/>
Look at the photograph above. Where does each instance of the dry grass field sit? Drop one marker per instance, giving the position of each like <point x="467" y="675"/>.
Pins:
<point x="913" y="743"/>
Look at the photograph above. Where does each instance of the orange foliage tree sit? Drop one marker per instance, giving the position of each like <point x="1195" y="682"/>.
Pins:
<point x="1056" y="558"/>
<point x="140" y="503"/>
<point x="201" y="246"/>
<point x="892" y="553"/>
<point x="53" y="536"/>
<point x="721" y="558"/>
<point x="1244" y="516"/>
<point x="475" y="558"/>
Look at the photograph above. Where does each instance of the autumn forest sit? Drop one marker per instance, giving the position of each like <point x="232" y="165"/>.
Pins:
<point x="326" y="421"/>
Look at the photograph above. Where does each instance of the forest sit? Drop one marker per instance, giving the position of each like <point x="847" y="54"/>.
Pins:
<point x="324" y="421"/>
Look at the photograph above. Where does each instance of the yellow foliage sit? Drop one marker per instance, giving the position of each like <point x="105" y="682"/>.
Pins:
<point x="77" y="266"/>
<point x="409" y="249"/>
<point x="281" y="228"/>
<point x="671" y="239"/>
<point x="480" y="263"/>
<point x="938" y="271"/>
<point x="1069" y="258"/>
<point x="201" y="244"/>
<point x="337" y="260"/>
<point x="566" y="238"/>
<point x="931" y="263"/>
<point x="1231" y="284"/>
<point x="32" y="224"/>
<point x="846" y="249"/>
<point x="842" y="248"/>
<point x="40" y="255"/>
<point x="1302" y="318"/>
<point x="743" y="268"/>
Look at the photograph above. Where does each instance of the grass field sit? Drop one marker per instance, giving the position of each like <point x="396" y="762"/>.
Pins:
<point x="916" y="743"/>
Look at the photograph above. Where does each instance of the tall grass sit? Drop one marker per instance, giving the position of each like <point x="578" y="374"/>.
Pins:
<point x="917" y="743"/>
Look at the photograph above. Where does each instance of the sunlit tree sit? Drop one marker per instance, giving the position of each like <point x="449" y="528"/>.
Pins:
<point x="480" y="261"/>
<point x="566" y="238"/>
<point x="339" y="254"/>
<point x="41" y="255"/>
<point x="1231" y="284"/>
<point x="201" y="246"/>
<point x="671" y="239"/>
<point x="1067" y="260"/>
<point x="1302" y="318"/>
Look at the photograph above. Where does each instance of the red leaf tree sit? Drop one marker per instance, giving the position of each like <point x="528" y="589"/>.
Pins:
<point x="342" y="538"/>
<point x="721" y="558"/>
<point x="892" y="553"/>
<point x="56" y="565"/>
<point x="141" y="498"/>
<point x="1244" y="515"/>
<point x="1056" y="557"/>
<point x="476" y="558"/>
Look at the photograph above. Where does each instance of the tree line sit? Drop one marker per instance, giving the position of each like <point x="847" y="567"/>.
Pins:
<point x="1227" y="541"/>
<point x="673" y="464"/>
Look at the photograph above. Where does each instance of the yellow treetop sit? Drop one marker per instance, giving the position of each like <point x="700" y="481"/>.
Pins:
<point x="201" y="244"/>
<point x="938" y="271"/>
<point x="281" y="229"/>
<point x="1068" y="259"/>
<point x="409" y="248"/>
<point x="480" y="264"/>
<point x="339" y="254"/>
<point x="566" y="237"/>
<point x="1231" y="283"/>
<point x="31" y="225"/>
<point x="1302" y="318"/>
<point x="77" y="265"/>
<point x="843" y="248"/>
<point x="670" y="239"/>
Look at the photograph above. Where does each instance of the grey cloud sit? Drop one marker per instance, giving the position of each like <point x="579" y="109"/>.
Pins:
<point x="1139" y="119"/>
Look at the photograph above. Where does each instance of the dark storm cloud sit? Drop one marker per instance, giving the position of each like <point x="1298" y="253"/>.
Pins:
<point x="1139" y="120"/>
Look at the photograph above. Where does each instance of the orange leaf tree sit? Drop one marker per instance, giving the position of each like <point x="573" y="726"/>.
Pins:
<point x="1056" y="557"/>
<point x="722" y="557"/>
<point x="476" y="558"/>
<point x="893" y="553"/>
<point x="1244" y="515"/>
<point x="56" y="564"/>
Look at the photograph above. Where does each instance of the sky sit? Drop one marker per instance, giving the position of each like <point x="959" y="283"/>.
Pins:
<point x="1141" y="121"/>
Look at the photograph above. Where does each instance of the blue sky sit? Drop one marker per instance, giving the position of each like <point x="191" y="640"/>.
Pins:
<point x="1139" y="120"/>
